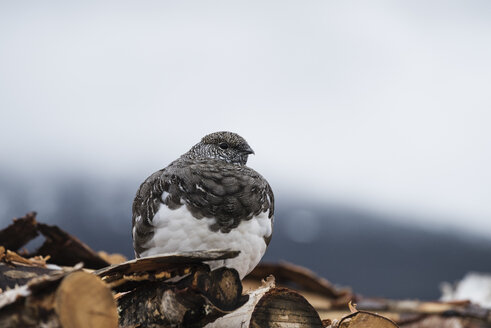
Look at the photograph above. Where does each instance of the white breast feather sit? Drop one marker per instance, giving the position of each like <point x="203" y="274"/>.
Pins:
<point x="177" y="230"/>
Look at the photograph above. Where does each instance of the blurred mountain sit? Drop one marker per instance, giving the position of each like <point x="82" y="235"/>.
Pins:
<point x="349" y="247"/>
<point x="379" y="258"/>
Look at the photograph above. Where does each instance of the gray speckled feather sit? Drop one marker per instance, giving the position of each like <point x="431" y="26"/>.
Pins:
<point x="211" y="181"/>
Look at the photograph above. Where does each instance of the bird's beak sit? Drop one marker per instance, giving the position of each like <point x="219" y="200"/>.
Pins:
<point x="248" y="150"/>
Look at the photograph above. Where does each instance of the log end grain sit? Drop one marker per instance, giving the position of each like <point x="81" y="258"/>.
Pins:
<point x="83" y="300"/>
<point x="282" y="307"/>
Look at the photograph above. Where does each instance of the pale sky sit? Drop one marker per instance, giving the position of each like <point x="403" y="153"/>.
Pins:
<point x="384" y="105"/>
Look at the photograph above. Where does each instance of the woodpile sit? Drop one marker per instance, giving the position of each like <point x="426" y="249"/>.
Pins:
<point x="64" y="283"/>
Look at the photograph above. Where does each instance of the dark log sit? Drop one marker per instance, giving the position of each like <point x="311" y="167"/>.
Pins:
<point x="192" y="302"/>
<point x="65" y="249"/>
<point x="62" y="248"/>
<point x="20" y="232"/>
<point x="222" y="287"/>
<point x="11" y="275"/>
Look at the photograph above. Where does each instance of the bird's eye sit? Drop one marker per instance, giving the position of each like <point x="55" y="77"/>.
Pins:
<point x="223" y="145"/>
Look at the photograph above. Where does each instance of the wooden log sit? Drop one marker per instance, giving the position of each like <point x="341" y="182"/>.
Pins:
<point x="364" y="319"/>
<point x="11" y="275"/>
<point x="128" y="275"/>
<point x="83" y="300"/>
<point x="174" y="289"/>
<point x="287" y="273"/>
<point x="114" y="258"/>
<point x="192" y="302"/>
<point x="269" y="306"/>
<point x="433" y="321"/>
<point x="167" y="260"/>
<point x="16" y="270"/>
<point x="282" y="307"/>
<point x="20" y="232"/>
<point x="408" y="312"/>
<point x="62" y="248"/>
<point x="65" y="249"/>
<point x="302" y="280"/>
<point x="64" y="299"/>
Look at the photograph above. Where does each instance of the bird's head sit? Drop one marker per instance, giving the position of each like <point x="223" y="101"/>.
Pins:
<point x="226" y="146"/>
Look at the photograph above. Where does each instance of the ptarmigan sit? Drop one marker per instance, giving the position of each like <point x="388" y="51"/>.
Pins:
<point x="207" y="199"/>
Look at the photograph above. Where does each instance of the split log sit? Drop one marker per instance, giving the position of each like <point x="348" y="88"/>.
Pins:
<point x="269" y="306"/>
<point x="67" y="299"/>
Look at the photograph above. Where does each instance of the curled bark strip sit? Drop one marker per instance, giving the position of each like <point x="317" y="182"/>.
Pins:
<point x="126" y="276"/>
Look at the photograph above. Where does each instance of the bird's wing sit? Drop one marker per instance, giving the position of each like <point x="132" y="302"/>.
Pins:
<point x="146" y="203"/>
<point x="228" y="193"/>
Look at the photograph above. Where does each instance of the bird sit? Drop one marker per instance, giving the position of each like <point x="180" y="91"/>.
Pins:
<point x="207" y="199"/>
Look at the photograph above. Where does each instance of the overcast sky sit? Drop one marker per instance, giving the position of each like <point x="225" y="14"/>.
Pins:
<point x="380" y="104"/>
